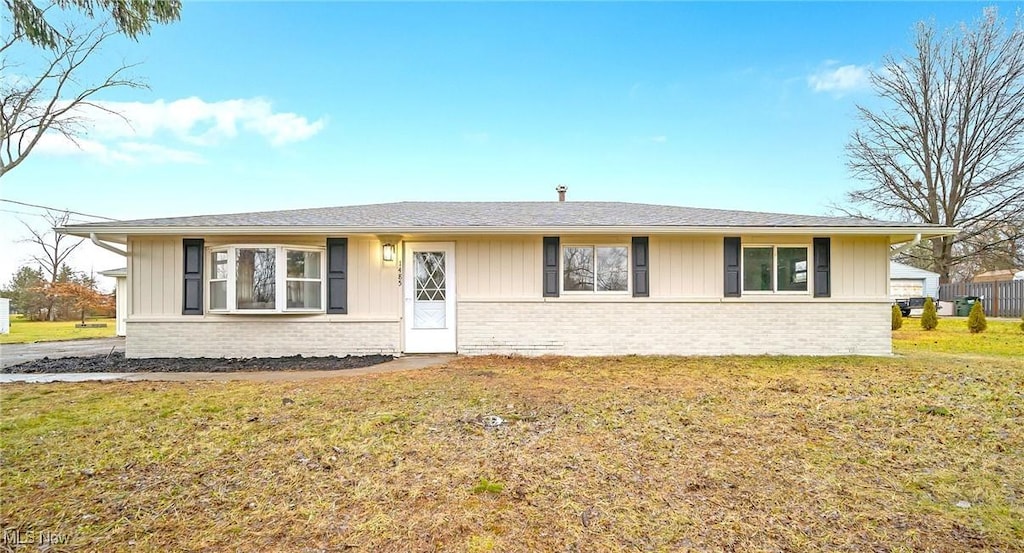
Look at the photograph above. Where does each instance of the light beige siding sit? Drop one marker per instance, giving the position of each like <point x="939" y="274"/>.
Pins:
<point x="681" y="266"/>
<point x="498" y="268"/>
<point x="155" y="276"/>
<point x="686" y="266"/>
<point x="373" y="288"/>
<point x="860" y="267"/>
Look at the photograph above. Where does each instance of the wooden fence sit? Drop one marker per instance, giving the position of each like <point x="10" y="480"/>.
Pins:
<point x="1000" y="299"/>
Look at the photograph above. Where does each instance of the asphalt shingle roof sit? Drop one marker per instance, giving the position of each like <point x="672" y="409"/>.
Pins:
<point x="497" y="215"/>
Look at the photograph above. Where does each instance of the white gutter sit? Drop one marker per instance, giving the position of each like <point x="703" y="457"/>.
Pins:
<point x="908" y="245"/>
<point x="109" y="248"/>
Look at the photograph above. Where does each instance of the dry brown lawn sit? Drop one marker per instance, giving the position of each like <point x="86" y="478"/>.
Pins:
<point x="924" y="453"/>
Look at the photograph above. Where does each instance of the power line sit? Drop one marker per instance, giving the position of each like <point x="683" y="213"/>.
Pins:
<point x="57" y="209"/>
<point x="16" y="212"/>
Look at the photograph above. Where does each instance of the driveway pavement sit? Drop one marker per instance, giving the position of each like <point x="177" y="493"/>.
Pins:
<point x="12" y="354"/>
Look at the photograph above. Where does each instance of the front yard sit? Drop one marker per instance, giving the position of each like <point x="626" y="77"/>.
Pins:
<point x="916" y="453"/>
<point x="24" y="332"/>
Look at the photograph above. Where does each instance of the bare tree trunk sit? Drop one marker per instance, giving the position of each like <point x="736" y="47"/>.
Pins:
<point x="54" y="249"/>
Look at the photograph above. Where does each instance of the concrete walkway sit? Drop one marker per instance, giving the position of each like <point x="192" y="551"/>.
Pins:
<point x="12" y="354"/>
<point x="406" y="363"/>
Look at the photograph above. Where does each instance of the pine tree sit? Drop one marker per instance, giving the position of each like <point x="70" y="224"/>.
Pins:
<point x="929" y="319"/>
<point x="897" y="317"/>
<point x="976" y="320"/>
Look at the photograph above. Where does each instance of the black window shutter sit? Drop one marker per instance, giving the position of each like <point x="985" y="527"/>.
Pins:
<point x="732" y="267"/>
<point x="641" y="267"/>
<point x="337" y="275"/>
<point x="192" y="288"/>
<point x="822" y="270"/>
<point x="550" y="266"/>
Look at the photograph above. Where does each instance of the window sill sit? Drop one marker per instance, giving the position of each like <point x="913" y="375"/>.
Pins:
<point x="267" y="312"/>
<point x="584" y="293"/>
<point x="759" y="293"/>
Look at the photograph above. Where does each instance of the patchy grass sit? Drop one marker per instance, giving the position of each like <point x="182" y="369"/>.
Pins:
<point x="24" y="332"/>
<point x="919" y="453"/>
<point x="1003" y="338"/>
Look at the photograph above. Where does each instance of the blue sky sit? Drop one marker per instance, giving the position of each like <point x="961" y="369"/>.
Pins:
<point x="259" y="106"/>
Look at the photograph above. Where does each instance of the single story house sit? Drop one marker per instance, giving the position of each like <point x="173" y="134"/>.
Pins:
<point x="575" y="278"/>
<point x="906" y="281"/>
<point x="1001" y="275"/>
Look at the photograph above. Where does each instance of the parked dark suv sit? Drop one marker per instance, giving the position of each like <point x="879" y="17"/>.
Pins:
<point x="904" y="306"/>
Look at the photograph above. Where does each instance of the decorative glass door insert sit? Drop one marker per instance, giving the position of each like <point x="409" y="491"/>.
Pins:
<point x="430" y="289"/>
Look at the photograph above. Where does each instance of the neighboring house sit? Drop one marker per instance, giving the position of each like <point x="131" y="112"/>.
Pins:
<point x="120" y="277"/>
<point x="996" y="276"/>
<point x="577" y="278"/>
<point x="5" y="316"/>
<point x="906" y="281"/>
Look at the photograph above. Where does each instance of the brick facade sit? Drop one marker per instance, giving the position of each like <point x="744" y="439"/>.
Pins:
<point x="555" y="327"/>
<point x="684" y="328"/>
<point x="272" y="337"/>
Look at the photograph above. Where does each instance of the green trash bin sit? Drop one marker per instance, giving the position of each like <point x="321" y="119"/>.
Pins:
<point x="964" y="304"/>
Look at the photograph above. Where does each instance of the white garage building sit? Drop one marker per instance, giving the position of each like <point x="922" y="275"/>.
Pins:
<point x="910" y="282"/>
<point x="121" y="296"/>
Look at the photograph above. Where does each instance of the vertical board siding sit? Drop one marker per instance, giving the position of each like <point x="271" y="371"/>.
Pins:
<point x="373" y="285"/>
<point x="155" y="275"/>
<point x="499" y="267"/>
<point x="1000" y="299"/>
<point x="860" y="267"/>
<point x="685" y="266"/>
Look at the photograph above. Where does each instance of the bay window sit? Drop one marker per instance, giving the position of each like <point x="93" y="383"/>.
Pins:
<point x="775" y="269"/>
<point x="265" y="279"/>
<point x="219" y="280"/>
<point x="303" y="280"/>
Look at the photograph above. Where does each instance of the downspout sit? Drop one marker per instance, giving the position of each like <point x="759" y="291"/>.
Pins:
<point x="122" y="253"/>
<point x="908" y="245"/>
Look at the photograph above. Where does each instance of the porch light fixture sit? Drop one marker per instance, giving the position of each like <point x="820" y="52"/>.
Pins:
<point x="388" y="252"/>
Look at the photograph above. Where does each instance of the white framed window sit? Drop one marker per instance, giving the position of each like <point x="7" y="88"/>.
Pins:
<point x="595" y="268"/>
<point x="775" y="269"/>
<point x="265" y="278"/>
<point x="218" y="280"/>
<point x="303" y="279"/>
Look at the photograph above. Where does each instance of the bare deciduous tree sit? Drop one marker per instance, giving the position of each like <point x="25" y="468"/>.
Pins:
<point x="54" y="249"/>
<point x="53" y="100"/>
<point x="948" y="147"/>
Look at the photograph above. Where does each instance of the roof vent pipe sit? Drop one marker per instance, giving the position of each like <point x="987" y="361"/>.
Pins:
<point x="561" y="189"/>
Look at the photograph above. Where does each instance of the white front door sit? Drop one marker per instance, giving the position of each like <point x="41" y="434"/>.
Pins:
<point x="429" y="297"/>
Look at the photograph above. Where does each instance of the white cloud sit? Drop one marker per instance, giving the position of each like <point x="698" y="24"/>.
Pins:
<point x="844" y="78"/>
<point x="126" y="151"/>
<point x="659" y="139"/>
<point x="155" y="153"/>
<point x="152" y="132"/>
<point x="283" y="128"/>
